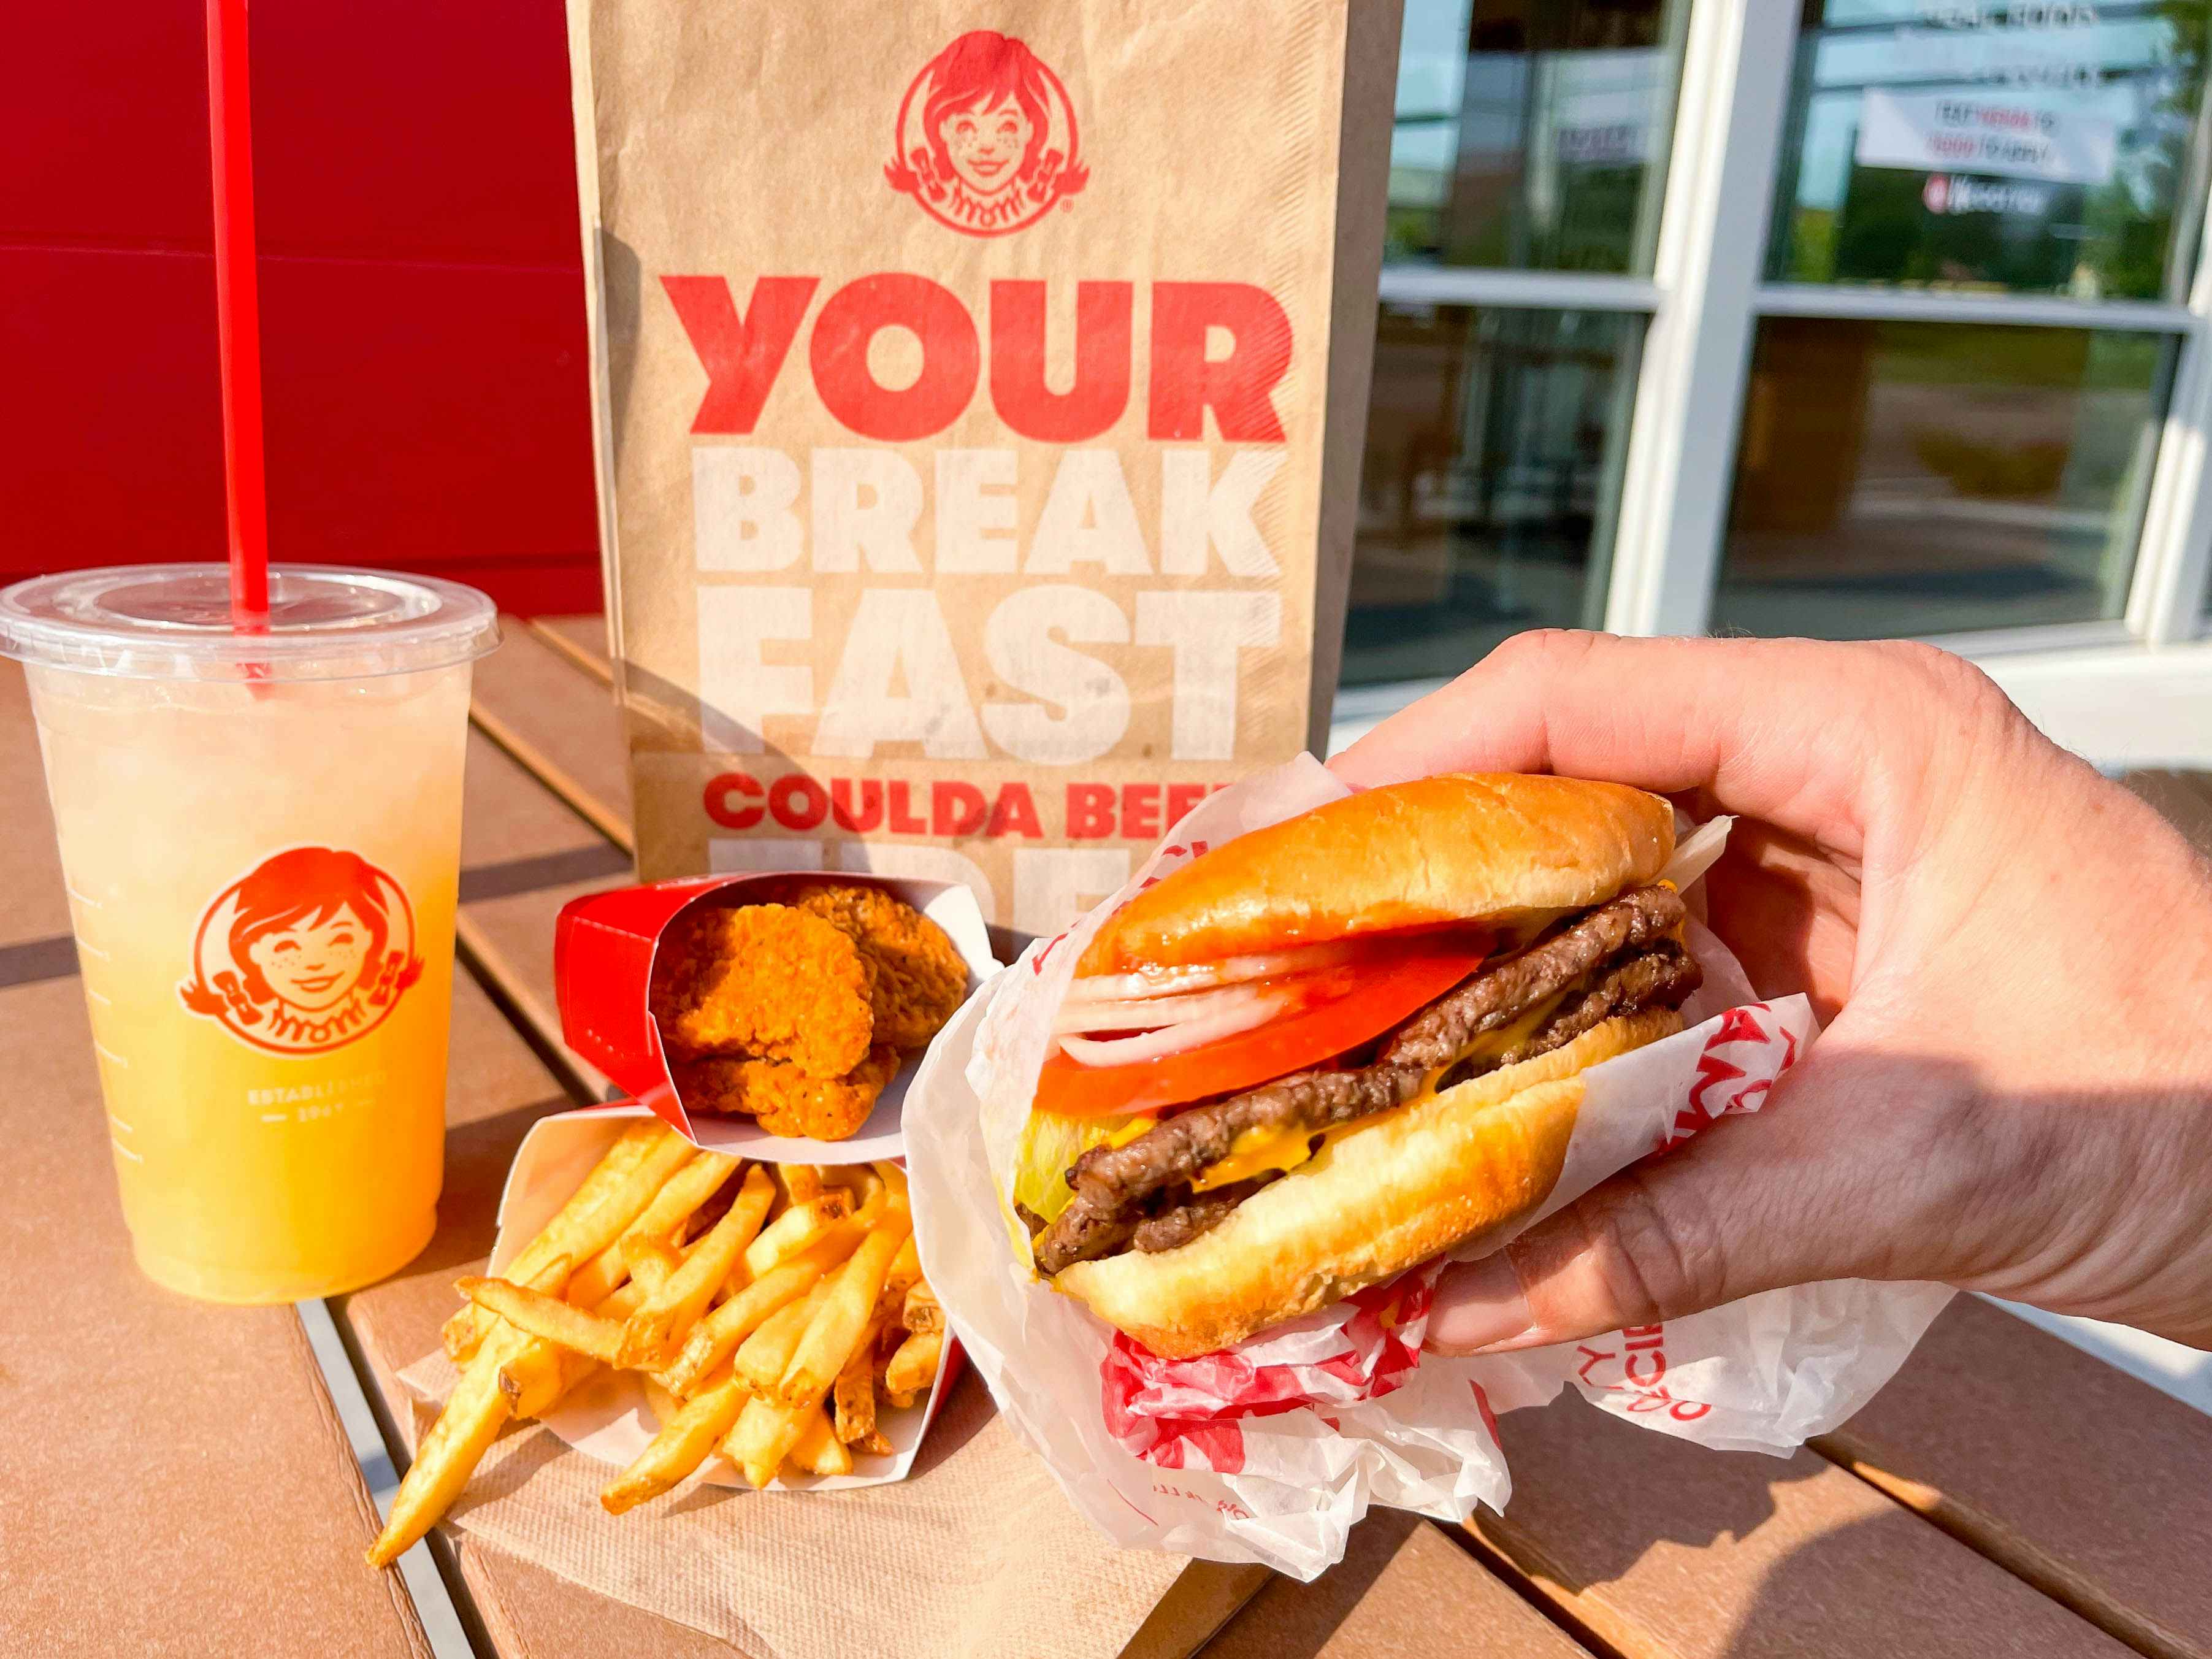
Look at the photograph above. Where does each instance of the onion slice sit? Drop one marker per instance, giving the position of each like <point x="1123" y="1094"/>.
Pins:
<point x="1157" y="1013"/>
<point x="1204" y="975"/>
<point x="1697" y="853"/>
<point x="1168" y="1040"/>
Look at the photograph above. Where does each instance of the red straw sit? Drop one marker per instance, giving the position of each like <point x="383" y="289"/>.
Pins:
<point x="238" y="314"/>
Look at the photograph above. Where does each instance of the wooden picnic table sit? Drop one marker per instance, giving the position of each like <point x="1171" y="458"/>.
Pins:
<point x="177" y="1478"/>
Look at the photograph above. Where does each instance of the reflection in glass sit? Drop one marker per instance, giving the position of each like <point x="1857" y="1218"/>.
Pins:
<point x="1906" y="479"/>
<point x="1494" y="446"/>
<point x="2043" y="146"/>
<point x="1533" y="134"/>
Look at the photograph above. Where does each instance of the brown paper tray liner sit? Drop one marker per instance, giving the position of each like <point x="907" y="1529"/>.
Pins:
<point x="975" y="1553"/>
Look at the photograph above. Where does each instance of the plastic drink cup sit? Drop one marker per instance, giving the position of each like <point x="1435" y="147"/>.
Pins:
<point x="261" y="836"/>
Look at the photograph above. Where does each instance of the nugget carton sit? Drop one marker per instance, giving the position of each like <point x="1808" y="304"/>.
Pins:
<point x="604" y="948"/>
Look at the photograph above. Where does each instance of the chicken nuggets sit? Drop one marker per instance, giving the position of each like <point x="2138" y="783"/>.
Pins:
<point x="793" y="1008"/>
<point x="785" y="1099"/>
<point x="920" y="979"/>
<point x="765" y="982"/>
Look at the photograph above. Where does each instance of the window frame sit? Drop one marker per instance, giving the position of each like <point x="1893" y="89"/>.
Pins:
<point x="2135" y="690"/>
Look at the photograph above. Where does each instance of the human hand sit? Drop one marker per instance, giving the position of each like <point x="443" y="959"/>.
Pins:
<point x="2014" y="954"/>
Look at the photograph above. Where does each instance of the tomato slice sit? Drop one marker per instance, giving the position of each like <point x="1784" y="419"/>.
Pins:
<point x="1375" y="996"/>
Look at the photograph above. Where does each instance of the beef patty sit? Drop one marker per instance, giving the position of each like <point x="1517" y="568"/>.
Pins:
<point x="1610" y="960"/>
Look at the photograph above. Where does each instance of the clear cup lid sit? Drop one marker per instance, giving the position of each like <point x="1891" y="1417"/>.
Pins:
<point x="173" y="622"/>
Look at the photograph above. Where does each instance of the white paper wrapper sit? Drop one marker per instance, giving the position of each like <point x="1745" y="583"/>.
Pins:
<point x="1272" y="1451"/>
<point x="606" y="1416"/>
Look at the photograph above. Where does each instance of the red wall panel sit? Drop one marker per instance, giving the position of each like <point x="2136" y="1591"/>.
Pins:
<point x="425" y="364"/>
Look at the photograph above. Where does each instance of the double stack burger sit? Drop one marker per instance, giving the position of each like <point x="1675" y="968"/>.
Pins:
<point x="1340" y="1046"/>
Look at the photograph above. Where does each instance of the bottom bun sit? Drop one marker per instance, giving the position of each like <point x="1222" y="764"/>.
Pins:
<point x="1428" y="1176"/>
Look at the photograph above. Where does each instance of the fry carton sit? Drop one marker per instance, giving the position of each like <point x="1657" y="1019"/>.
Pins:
<point x="606" y="1416"/>
<point x="1270" y="1451"/>
<point x="604" y="948"/>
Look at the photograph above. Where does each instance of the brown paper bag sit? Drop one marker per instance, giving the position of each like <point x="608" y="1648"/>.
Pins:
<point x="981" y="398"/>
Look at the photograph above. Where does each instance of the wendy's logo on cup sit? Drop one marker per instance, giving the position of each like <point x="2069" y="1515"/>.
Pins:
<point x="987" y="140"/>
<point x="307" y="952"/>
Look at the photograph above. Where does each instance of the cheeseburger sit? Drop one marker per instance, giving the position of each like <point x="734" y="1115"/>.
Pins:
<point x="1339" y="1046"/>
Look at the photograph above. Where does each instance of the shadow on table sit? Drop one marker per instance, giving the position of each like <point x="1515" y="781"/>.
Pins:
<point x="477" y="1155"/>
<point x="1291" y="1620"/>
<point x="1598" y="1501"/>
<point x="966" y="1409"/>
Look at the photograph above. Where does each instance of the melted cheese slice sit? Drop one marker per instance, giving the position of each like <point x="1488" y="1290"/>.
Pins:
<point x="1258" y="1151"/>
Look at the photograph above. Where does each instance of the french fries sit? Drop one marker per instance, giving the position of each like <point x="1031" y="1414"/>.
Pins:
<point x="613" y="1196"/>
<point x="835" y="1328"/>
<point x="800" y="1181"/>
<point x="818" y="1450"/>
<point x="667" y="1314"/>
<point x="797" y="1227"/>
<point x="854" y="1396"/>
<point x="663" y="1405"/>
<point x="767" y="1335"/>
<point x="546" y="1316"/>
<point x="923" y="1315"/>
<point x="714" y="1338"/>
<point x="650" y="1262"/>
<point x="656" y="1224"/>
<point x="449" y="1454"/>
<point x="681" y="1446"/>
<point x="763" y="1355"/>
<point x="764" y="1436"/>
<point x="914" y="1365"/>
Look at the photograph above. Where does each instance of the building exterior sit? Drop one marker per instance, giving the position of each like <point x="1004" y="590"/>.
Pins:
<point x="1879" y="317"/>
<point x="1832" y="316"/>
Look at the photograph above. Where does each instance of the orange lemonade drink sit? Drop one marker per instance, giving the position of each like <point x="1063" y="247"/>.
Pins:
<point x="261" y="839"/>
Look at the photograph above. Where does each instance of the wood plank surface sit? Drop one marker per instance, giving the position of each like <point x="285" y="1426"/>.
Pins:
<point x="1403" y="1587"/>
<point x="582" y="639"/>
<point x="525" y="854"/>
<point x="1667" y="1550"/>
<point x="2051" y="1461"/>
<point x="175" y="1479"/>
<point x="560" y="722"/>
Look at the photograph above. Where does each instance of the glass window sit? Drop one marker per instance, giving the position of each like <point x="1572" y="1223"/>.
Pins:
<point x="2040" y="146"/>
<point x="1918" y="478"/>
<point x="1533" y="134"/>
<point x="1495" y="440"/>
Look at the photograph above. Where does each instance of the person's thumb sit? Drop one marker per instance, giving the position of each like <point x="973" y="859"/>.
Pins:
<point x="1754" y="1203"/>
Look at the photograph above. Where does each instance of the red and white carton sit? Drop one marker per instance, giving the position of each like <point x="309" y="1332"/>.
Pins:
<point x="606" y="1416"/>
<point x="1269" y="1452"/>
<point x="605" y="947"/>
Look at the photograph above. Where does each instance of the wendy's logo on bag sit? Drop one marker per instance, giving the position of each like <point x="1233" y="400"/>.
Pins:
<point x="310" y="951"/>
<point x="987" y="140"/>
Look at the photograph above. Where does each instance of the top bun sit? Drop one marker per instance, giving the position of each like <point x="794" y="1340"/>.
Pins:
<point x="1497" y="849"/>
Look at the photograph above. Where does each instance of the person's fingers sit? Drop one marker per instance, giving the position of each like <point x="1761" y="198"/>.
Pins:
<point x="1793" y="731"/>
<point x="1755" y="1203"/>
<point x="1789" y="915"/>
